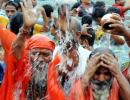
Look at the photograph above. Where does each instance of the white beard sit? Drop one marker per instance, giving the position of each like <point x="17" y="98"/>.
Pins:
<point x="98" y="96"/>
<point x="101" y="91"/>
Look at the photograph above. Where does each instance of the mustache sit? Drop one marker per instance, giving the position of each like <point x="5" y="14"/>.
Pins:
<point x="100" y="82"/>
<point x="101" y="85"/>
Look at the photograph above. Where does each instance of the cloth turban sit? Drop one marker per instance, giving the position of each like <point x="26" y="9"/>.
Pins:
<point x="40" y="41"/>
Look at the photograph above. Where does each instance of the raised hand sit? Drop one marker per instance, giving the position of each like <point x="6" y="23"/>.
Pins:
<point x="92" y="66"/>
<point x="30" y="17"/>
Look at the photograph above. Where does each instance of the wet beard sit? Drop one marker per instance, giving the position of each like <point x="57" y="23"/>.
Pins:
<point x="66" y="80"/>
<point x="101" y="89"/>
<point x="36" y="88"/>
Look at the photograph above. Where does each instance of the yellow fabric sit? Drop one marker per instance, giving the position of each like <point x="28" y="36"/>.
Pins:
<point x="99" y="33"/>
<point x="37" y="29"/>
<point x="4" y="21"/>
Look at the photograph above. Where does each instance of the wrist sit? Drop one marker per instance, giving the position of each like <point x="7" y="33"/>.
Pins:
<point x="118" y="75"/>
<point x="85" y="80"/>
<point x="24" y="29"/>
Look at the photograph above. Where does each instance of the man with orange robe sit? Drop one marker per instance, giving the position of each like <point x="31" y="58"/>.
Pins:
<point x="26" y="74"/>
<point x="103" y="79"/>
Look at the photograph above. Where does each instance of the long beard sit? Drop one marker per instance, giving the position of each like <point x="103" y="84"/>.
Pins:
<point x="38" y="83"/>
<point x="101" y="89"/>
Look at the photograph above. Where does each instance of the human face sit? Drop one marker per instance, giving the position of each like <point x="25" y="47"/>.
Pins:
<point x="122" y="2"/>
<point x="101" y="80"/>
<point x="34" y="2"/>
<point x="102" y="74"/>
<point x="43" y="56"/>
<point x="10" y="10"/>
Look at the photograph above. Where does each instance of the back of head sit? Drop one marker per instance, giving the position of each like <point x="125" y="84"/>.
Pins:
<point x="16" y="22"/>
<point x="98" y="13"/>
<point x="99" y="4"/>
<point x="113" y="10"/>
<point x="90" y="37"/>
<point x="74" y="25"/>
<point x="101" y="50"/>
<point x="48" y="9"/>
<point x="87" y="19"/>
<point x="62" y="10"/>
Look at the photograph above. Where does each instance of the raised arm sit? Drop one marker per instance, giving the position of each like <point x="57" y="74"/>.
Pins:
<point x="30" y="19"/>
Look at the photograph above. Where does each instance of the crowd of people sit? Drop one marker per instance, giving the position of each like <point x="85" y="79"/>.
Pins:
<point x="76" y="55"/>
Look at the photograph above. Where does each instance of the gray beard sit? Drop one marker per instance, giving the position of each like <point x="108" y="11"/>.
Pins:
<point x="101" y="91"/>
<point x="37" y="85"/>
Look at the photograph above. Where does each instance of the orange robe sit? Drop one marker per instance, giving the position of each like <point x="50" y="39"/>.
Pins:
<point x="6" y="38"/>
<point x="18" y="72"/>
<point x="55" y="92"/>
<point x="113" y="93"/>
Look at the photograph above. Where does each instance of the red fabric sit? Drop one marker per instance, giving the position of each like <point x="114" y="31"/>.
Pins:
<point x="40" y="41"/>
<point x="20" y="71"/>
<point x="113" y="95"/>
<point x="122" y="9"/>
<point x="55" y="92"/>
<point x="6" y="38"/>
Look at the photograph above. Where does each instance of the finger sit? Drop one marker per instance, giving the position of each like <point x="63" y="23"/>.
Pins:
<point x="116" y="16"/>
<point x="22" y="6"/>
<point x="110" y="55"/>
<point x="106" y="61"/>
<point x="95" y="58"/>
<point x="95" y="55"/>
<point x="29" y="3"/>
<point x="25" y="3"/>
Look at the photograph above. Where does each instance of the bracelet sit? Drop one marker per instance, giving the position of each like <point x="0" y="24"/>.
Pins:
<point x="23" y="30"/>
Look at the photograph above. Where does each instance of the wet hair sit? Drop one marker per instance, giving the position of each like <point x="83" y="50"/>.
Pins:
<point x="75" y="25"/>
<point x="113" y="10"/>
<point x="12" y="3"/>
<point x="16" y="22"/>
<point x="101" y="50"/>
<point x="87" y="19"/>
<point x="90" y="37"/>
<point x="99" y="4"/>
<point x="48" y="9"/>
<point x="98" y="13"/>
<point x="63" y="8"/>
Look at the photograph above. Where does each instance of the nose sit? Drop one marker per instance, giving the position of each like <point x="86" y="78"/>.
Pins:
<point x="101" y="77"/>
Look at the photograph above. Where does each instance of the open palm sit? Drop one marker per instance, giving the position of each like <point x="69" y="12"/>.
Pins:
<point x="30" y="17"/>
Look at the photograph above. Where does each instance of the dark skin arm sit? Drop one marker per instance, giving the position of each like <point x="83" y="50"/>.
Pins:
<point x="120" y="29"/>
<point x="29" y="20"/>
<point x="111" y="63"/>
<point x="118" y="40"/>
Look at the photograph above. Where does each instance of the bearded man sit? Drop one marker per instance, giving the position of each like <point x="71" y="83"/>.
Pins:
<point x="27" y="67"/>
<point x="103" y="79"/>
